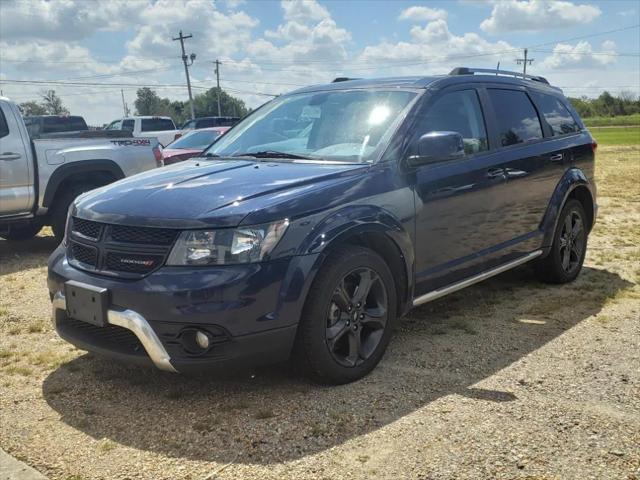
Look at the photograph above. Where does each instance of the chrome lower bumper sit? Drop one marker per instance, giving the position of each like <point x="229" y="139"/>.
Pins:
<point x="134" y="322"/>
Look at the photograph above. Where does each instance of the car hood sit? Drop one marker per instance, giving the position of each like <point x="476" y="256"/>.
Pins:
<point x="200" y="193"/>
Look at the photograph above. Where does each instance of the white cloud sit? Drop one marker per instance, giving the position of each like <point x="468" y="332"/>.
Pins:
<point x="531" y="15"/>
<point x="304" y="10"/>
<point x="434" y="49"/>
<point x="580" y="56"/>
<point x="66" y="19"/>
<point x="418" y="14"/>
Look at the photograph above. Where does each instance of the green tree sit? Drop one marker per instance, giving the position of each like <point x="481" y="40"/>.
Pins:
<point x="148" y="102"/>
<point x="206" y="104"/>
<point x="53" y="104"/>
<point x="32" y="108"/>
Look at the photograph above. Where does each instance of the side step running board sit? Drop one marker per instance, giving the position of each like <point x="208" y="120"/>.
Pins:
<point x="441" y="292"/>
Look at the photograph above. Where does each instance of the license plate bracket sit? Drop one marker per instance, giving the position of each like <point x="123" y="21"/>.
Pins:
<point x="86" y="303"/>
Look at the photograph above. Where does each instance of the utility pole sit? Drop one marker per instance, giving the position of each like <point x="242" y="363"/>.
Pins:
<point x="217" y="62"/>
<point x="124" y="104"/>
<point x="185" y="60"/>
<point x="524" y="61"/>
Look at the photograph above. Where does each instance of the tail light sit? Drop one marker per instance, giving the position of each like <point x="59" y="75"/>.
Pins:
<point x="158" y="156"/>
<point x="594" y="146"/>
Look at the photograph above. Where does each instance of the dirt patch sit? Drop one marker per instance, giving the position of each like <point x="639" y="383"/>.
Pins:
<point x="507" y="379"/>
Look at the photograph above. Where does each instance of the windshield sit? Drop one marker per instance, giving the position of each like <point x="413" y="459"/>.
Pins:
<point x="344" y="126"/>
<point x="199" y="139"/>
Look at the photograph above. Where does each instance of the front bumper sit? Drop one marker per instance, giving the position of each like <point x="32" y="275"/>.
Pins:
<point x="250" y="312"/>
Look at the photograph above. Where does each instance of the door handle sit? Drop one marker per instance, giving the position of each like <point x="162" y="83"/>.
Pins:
<point x="495" y="173"/>
<point x="557" y="157"/>
<point x="9" y="156"/>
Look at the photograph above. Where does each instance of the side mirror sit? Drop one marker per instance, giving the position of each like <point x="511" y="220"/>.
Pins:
<point x="436" y="147"/>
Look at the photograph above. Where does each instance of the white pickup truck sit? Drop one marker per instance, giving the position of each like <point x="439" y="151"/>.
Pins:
<point x="162" y="128"/>
<point x="40" y="178"/>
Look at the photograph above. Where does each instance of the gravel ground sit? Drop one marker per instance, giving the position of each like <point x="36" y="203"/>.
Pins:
<point x="507" y="379"/>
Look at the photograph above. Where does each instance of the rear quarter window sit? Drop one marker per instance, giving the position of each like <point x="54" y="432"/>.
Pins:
<point x="156" y="124"/>
<point x="516" y="117"/>
<point x="556" y="114"/>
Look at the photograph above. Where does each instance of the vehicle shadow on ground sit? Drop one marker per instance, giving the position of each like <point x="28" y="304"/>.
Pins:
<point x="18" y="256"/>
<point x="440" y="349"/>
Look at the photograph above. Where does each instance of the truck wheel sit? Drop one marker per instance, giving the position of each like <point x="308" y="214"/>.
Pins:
<point x="22" y="232"/>
<point x="564" y="261"/>
<point x="58" y="216"/>
<point x="348" y="317"/>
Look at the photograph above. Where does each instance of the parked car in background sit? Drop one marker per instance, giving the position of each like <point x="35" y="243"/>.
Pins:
<point x="162" y="128"/>
<point x="39" y="126"/>
<point x="40" y="178"/>
<point x="191" y="144"/>
<point x="207" y="122"/>
<point x="310" y="227"/>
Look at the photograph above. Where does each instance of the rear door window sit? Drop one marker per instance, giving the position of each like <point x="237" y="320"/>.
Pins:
<point x="516" y="117"/>
<point x="459" y="112"/>
<point x="556" y="114"/>
<point x="128" y="125"/>
<point x="156" y="124"/>
<point x="63" y="124"/>
<point x="4" y="127"/>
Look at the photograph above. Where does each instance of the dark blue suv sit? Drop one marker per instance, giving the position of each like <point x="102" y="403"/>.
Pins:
<point x="323" y="216"/>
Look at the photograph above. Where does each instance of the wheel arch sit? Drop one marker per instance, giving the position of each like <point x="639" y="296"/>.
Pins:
<point x="370" y="227"/>
<point x="94" y="172"/>
<point x="573" y="185"/>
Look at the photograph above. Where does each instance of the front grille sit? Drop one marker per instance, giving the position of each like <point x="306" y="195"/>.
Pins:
<point x="143" y="235"/>
<point x="84" y="254"/>
<point x="131" y="263"/>
<point x="118" y="250"/>
<point x="87" y="228"/>
<point x="111" y="337"/>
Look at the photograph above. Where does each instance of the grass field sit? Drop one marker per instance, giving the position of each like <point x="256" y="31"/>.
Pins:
<point x="616" y="135"/>
<point x="619" y="121"/>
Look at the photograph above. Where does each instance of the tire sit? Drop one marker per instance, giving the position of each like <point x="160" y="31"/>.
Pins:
<point x="22" y="232"/>
<point x="338" y="320"/>
<point x="564" y="261"/>
<point x="58" y="216"/>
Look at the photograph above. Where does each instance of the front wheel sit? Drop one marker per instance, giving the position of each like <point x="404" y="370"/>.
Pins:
<point x="564" y="261"/>
<point x="348" y="318"/>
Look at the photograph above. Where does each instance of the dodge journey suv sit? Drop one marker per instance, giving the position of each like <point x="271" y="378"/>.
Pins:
<point x="322" y="217"/>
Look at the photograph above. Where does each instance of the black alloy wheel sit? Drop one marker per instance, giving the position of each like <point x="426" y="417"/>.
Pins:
<point x="356" y="317"/>
<point x="564" y="261"/>
<point x="348" y="317"/>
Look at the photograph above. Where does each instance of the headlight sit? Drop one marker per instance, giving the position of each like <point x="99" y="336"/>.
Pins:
<point x="227" y="246"/>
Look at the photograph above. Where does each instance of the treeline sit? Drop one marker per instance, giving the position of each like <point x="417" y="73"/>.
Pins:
<point x="606" y="105"/>
<point x="148" y="102"/>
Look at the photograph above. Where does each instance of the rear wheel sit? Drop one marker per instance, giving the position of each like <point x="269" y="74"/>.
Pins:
<point x="348" y="318"/>
<point x="564" y="261"/>
<point x="22" y="232"/>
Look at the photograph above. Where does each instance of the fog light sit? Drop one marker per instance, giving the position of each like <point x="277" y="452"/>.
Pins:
<point x="202" y="339"/>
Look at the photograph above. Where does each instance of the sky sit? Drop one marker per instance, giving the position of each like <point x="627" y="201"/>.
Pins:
<point x="271" y="47"/>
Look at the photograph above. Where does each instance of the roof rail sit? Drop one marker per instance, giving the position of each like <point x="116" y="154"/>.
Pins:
<point x="471" y="71"/>
<point x="343" y="79"/>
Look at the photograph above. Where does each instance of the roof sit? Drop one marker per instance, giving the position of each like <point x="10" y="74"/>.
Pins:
<point x="434" y="81"/>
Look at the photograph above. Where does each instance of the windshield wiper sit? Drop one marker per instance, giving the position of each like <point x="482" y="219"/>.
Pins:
<point x="272" y="154"/>
<point x="211" y="155"/>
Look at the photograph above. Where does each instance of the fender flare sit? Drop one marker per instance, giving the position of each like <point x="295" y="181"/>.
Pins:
<point x="67" y="170"/>
<point x="356" y="221"/>
<point x="572" y="179"/>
